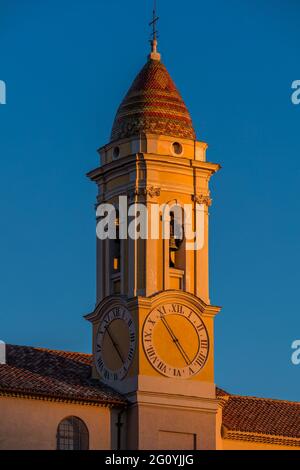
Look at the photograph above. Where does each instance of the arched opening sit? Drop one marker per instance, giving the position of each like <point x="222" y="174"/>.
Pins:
<point x="115" y="258"/>
<point x="72" y="434"/>
<point x="176" y="237"/>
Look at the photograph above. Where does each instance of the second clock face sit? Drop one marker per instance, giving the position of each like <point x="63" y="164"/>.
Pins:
<point x="115" y="344"/>
<point x="175" y="341"/>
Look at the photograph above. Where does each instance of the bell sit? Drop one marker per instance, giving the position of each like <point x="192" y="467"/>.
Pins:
<point x="173" y="243"/>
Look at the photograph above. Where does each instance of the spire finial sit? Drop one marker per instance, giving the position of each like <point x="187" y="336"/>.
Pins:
<point x="154" y="54"/>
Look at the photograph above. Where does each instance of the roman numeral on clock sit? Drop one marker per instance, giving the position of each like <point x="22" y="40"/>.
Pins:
<point x="116" y="312"/>
<point x="130" y="354"/>
<point x="176" y="308"/>
<point x="100" y="363"/>
<point x="162" y="311"/>
<point x="200" y="327"/>
<point x="201" y="360"/>
<point x="147" y="337"/>
<point x="151" y="351"/>
<point x="132" y="337"/>
<point x="152" y="355"/>
<point x="162" y="367"/>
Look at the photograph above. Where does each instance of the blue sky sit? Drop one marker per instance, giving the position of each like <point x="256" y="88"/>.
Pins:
<point x="67" y="65"/>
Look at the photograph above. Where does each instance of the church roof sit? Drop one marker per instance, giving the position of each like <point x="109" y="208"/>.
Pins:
<point x="153" y="105"/>
<point x="260" y="415"/>
<point x="53" y="374"/>
<point x="66" y="376"/>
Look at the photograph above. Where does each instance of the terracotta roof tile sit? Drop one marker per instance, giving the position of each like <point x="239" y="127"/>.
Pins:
<point x="261" y="415"/>
<point x="67" y="375"/>
<point x="57" y="374"/>
<point x="154" y="105"/>
<point x="221" y="392"/>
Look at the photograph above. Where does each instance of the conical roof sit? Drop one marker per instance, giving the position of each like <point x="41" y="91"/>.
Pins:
<point x="153" y="105"/>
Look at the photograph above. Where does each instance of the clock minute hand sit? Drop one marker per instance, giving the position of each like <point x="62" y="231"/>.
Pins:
<point x="176" y="341"/>
<point x="115" y="345"/>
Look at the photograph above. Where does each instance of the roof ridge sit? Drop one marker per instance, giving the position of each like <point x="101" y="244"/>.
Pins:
<point x="250" y="397"/>
<point x="49" y="349"/>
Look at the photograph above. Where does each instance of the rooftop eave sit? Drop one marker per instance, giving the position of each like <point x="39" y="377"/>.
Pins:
<point x="14" y="393"/>
<point x="271" y="439"/>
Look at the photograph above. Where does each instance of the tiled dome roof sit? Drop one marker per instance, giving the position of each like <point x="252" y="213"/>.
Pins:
<point x="153" y="105"/>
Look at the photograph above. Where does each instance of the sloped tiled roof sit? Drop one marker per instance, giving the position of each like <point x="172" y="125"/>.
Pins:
<point x="55" y="374"/>
<point x="67" y="376"/>
<point x="153" y="105"/>
<point x="260" y="415"/>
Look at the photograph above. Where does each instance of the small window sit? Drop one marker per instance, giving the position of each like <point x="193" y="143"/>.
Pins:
<point x="115" y="247"/>
<point x="116" y="152"/>
<point x="177" y="148"/>
<point x="176" y="238"/>
<point x="72" y="434"/>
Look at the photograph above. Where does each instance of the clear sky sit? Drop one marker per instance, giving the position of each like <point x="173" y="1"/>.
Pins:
<point x="67" y="65"/>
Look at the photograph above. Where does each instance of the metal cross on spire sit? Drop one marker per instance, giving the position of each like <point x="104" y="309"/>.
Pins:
<point x="154" y="54"/>
<point x="153" y="23"/>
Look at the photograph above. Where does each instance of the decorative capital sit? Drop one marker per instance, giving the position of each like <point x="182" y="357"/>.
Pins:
<point x="202" y="199"/>
<point x="152" y="192"/>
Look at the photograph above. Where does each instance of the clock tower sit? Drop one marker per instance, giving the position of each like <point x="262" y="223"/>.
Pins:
<point x="153" y="325"/>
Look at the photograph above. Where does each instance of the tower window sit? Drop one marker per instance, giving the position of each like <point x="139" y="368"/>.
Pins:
<point x="116" y="248"/>
<point x="177" y="148"/>
<point x="72" y="434"/>
<point x="116" y="152"/>
<point x="117" y="263"/>
<point x="176" y="238"/>
<point x="115" y="259"/>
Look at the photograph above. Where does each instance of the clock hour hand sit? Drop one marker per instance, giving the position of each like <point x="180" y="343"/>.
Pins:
<point x="115" y="345"/>
<point x="176" y="341"/>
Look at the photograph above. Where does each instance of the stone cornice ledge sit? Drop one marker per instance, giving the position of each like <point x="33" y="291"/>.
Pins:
<point x="174" y="401"/>
<point x="208" y="166"/>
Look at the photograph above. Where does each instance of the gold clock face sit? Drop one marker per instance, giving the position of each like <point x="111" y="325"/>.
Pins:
<point x="175" y="341"/>
<point x="115" y="344"/>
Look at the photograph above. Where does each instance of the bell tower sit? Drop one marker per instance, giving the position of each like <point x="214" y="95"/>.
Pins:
<point x="153" y="335"/>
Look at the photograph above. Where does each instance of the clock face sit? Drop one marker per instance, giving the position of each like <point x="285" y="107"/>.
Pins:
<point x="175" y="341"/>
<point x="115" y="344"/>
